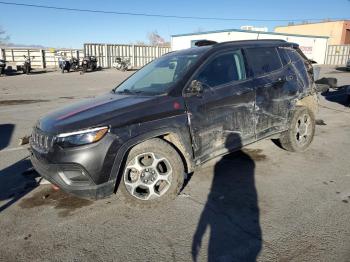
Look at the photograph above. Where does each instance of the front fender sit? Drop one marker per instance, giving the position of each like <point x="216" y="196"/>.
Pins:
<point x="177" y="125"/>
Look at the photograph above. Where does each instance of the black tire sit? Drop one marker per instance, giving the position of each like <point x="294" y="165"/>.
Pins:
<point x="162" y="149"/>
<point x="298" y="139"/>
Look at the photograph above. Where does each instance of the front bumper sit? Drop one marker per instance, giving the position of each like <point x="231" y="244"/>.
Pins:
<point x="55" y="173"/>
<point x="84" y="171"/>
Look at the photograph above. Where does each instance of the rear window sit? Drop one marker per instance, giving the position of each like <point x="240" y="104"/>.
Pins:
<point x="263" y="60"/>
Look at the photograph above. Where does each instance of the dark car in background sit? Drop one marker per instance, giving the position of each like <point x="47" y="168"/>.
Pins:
<point x="174" y="114"/>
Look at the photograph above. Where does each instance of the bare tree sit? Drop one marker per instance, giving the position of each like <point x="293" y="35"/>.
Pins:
<point x="155" y="39"/>
<point x="3" y="37"/>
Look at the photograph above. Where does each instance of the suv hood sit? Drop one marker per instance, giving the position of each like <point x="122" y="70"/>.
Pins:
<point x="94" y="112"/>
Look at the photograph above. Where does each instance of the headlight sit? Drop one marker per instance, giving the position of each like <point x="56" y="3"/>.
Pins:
<point x="84" y="62"/>
<point x="82" y="137"/>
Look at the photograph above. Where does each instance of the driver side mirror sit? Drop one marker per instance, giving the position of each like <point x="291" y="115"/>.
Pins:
<point x="195" y="88"/>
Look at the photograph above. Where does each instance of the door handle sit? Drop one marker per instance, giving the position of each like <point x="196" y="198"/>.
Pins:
<point x="268" y="85"/>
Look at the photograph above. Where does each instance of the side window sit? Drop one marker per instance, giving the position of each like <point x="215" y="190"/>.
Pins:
<point x="223" y="69"/>
<point x="294" y="56"/>
<point x="283" y="55"/>
<point x="263" y="60"/>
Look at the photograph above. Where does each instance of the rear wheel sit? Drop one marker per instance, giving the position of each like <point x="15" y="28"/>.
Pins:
<point x="153" y="174"/>
<point x="301" y="131"/>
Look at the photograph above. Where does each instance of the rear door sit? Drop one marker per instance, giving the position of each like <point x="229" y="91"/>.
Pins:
<point x="275" y="89"/>
<point x="221" y="118"/>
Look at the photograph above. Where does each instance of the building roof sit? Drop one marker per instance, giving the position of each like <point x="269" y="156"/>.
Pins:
<point x="247" y="31"/>
<point x="312" y="23"/>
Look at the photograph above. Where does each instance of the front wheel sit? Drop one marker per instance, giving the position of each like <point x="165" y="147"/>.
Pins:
<point x="301" y="131"/>
<point x="153" y="174"/>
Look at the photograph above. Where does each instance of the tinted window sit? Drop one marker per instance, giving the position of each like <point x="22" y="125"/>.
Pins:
<point x="294" y="56"/>
<point x="263" y="60"/>
<point x="223" y="69"/>
<point x="283" y="55"/>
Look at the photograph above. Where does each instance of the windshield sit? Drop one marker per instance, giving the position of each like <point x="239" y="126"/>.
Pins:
<point x="158" y="76"/>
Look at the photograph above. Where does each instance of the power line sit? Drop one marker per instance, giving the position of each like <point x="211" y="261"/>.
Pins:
<point x="162" y="16"/>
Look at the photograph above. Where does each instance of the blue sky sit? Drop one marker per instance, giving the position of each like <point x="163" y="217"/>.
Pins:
<point x="71" y="29"/>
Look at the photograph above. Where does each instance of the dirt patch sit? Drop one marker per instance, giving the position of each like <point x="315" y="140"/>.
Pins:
<point x="21" y="102"/>
<point x="255" y="154"/>
<point x="66" y="203"/>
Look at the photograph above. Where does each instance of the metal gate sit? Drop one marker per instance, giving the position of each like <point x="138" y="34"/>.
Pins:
<point x="139" y="55"/>
<point x="337" y="54"/>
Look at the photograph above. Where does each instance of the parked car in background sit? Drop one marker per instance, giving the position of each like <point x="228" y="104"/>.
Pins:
<point x="348" y="65"/>
<point x="174" y="114"/>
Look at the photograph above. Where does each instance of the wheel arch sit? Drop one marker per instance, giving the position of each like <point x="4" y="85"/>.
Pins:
<point x="310" y="102"/>
<point x="179" y="142"/>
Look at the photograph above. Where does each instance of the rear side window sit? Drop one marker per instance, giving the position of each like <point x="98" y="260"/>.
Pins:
<point x="294" y="55"/>
<point x="263" y="60"/>
<point x="223" y="69"/>
<point x="283" y="55"/>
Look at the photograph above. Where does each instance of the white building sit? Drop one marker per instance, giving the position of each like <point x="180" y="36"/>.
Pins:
<point x="253" y="28"/>
<point x="314" y="47"/>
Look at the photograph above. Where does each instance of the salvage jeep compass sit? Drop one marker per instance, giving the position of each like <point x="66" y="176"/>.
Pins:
<point x="175" y="113"/>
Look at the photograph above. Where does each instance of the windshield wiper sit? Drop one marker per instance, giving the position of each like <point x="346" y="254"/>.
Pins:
<point x="128" y="91"/>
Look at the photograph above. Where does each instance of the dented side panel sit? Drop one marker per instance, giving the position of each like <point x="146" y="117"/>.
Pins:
<point x="275" y="94"/>
<point x="279" y="92"/>
<point x="217" y="114"/>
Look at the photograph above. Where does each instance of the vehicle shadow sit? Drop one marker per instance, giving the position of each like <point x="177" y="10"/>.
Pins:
<point x="231" y="212"/>
<point x="16" y="73"/>
<point x="338" y="96"/>
<point x="6" y="131"/>
<point x="16" y="181"/>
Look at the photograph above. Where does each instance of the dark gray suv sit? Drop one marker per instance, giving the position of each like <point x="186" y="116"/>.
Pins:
<point x="174" y="114"/>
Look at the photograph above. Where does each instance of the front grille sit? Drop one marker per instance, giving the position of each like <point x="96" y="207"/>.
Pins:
<point x="41" y="141"/>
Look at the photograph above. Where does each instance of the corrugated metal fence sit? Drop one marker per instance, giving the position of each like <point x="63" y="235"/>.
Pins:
<point x="43" y="58"/>
<point x="139" y="55"/>
<point x="337" y="54"/>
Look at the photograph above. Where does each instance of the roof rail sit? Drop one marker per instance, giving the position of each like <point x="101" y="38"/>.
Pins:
<point x="205" y="42"/>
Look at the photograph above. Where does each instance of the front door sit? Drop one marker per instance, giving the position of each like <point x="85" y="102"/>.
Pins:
<point x="221" y="117"/>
